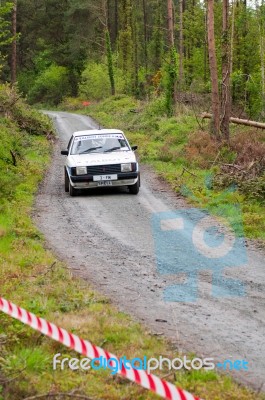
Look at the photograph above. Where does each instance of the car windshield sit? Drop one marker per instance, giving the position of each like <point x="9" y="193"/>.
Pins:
<point x="103" y="143"/>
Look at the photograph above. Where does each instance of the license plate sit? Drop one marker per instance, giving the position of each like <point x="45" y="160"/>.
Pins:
<point x="105" y="177"/>
<point x="104" y="183"/>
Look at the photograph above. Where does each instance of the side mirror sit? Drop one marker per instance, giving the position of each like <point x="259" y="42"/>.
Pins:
<point x="65" y="152"/>
<point x="134" y="148"/>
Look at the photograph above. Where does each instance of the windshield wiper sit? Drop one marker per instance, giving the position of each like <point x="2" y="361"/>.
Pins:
<point x="91" y="149"/>
<point x="112" y="149"/>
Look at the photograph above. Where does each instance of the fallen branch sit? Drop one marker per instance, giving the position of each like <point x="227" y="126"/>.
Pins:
<point x="239" y="121"/>
<point x="14" y="159"/>
<point x="186" y="170"/>
<point x="51" y="268"/>
<point x="227" y="165"/>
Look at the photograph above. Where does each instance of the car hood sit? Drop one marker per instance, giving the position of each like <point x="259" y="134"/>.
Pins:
<point x="116" y="157"/>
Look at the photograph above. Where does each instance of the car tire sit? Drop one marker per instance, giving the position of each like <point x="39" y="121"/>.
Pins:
<point x="66" y="181"/>
<point x="134" y="189"/>
<point x="72" y="190"/>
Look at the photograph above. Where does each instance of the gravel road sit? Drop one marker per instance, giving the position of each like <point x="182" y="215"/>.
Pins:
<point x="106" y="237"/>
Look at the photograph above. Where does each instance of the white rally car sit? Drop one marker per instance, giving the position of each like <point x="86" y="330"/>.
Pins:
<point x="100" y="157"/>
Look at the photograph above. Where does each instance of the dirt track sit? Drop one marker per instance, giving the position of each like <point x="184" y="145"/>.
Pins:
<point x="106" y="237"/>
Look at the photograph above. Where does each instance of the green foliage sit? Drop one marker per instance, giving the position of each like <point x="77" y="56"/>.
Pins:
<point x="11" y="140"/>
<point x="157" y="107"/>
<point x="21" y="114"/>
<point x="156" y="45"/>
<point x="32" y="121"/>
<point x="252" y="188"/>
<point x="5" y="35"/>
<point x="71" y="104"/>
<point x="171" y="81"/>
<point x="72" y="34"/>
<point x="110" y="63"/>
<point x="227" y="155"/>
<point x="95" y="83"/>
<point x="14" y="142"/>
<point x="50" y="86"/>
<point x="238" y="83"/>
<point x="5" y="11"/>
<point x="125" y="42"/>
<point x="247" y="92"/>
<point x="255" y="103"/>
<point x="25" y="81"/>
<point x="195" y="61"/>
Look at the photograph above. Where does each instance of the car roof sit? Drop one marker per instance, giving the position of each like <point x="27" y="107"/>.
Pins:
<point x="96" y="132"/>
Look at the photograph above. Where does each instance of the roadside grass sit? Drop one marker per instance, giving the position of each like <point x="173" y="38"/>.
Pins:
<point x="33" y="278"/>
<point x="162" y="142"/>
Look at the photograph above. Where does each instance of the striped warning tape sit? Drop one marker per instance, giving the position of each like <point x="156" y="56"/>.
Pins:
<point x="84" y="347"/>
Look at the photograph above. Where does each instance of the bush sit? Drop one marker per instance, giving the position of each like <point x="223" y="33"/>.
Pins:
<point x="71" y="104"/>
<point x="252" y="188"/>
<point x="25" y="117"/>
<point x="95" y="82"/>
<point x="17" y="122"/>
<point x="11" y="141"/>
<point x="248" y="93"/>
<point x="156" y="107"/>
<point x="247" y="174"/>
<point x="26" y="81"/>
<point x="253" y="88"/>
<point x="201" y="149"/>
<point x="50" y="86"/>
<point x="249" y="146"/>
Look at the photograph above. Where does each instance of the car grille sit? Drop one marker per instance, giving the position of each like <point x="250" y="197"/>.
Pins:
<point x="104" y="169"/>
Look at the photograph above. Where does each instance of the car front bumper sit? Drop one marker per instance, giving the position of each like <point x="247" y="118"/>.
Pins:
<point x="86" y="181"/>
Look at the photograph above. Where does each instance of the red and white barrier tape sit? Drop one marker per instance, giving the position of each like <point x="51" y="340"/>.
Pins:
<point x="148" y="381"/>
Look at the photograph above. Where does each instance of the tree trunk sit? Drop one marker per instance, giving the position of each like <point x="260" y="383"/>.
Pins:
<point x="213" y="71"/>
<point x="232" y="36"/>
<point x="110" y="63"/>
<point x="262" y="73"/>
<point x="245" y="64"/>
<point x="135" y="58"/>
<point x="14" y="44"/>
<point x="226" y="93"/>
<point x="239" y="121"/>
<point x="105" y="11"/>
<point x="145" y="35"/>
<point x="170" y="23"/>
<point x="116" y="20"/>
<point x="262" y="52"/>
<point x="180" y="44"/>
<point x="205" y="75"/>
<point x="171" y="90"/>
<point x="108" y="16"/>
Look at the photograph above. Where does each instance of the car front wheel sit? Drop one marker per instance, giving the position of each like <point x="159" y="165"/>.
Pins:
<point x="72" y="190"/>
<point x="66" y="181"/>
<point x="134" y="189"/>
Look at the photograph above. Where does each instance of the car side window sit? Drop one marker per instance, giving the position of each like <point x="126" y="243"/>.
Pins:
<point x="69" y="144"/>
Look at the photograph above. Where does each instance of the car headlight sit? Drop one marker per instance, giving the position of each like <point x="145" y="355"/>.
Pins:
<point x="126" y="167"/>
<point x="81" y="170"/>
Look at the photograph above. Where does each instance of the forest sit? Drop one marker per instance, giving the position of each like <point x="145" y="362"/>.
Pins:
<point x="142" y="48"/>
